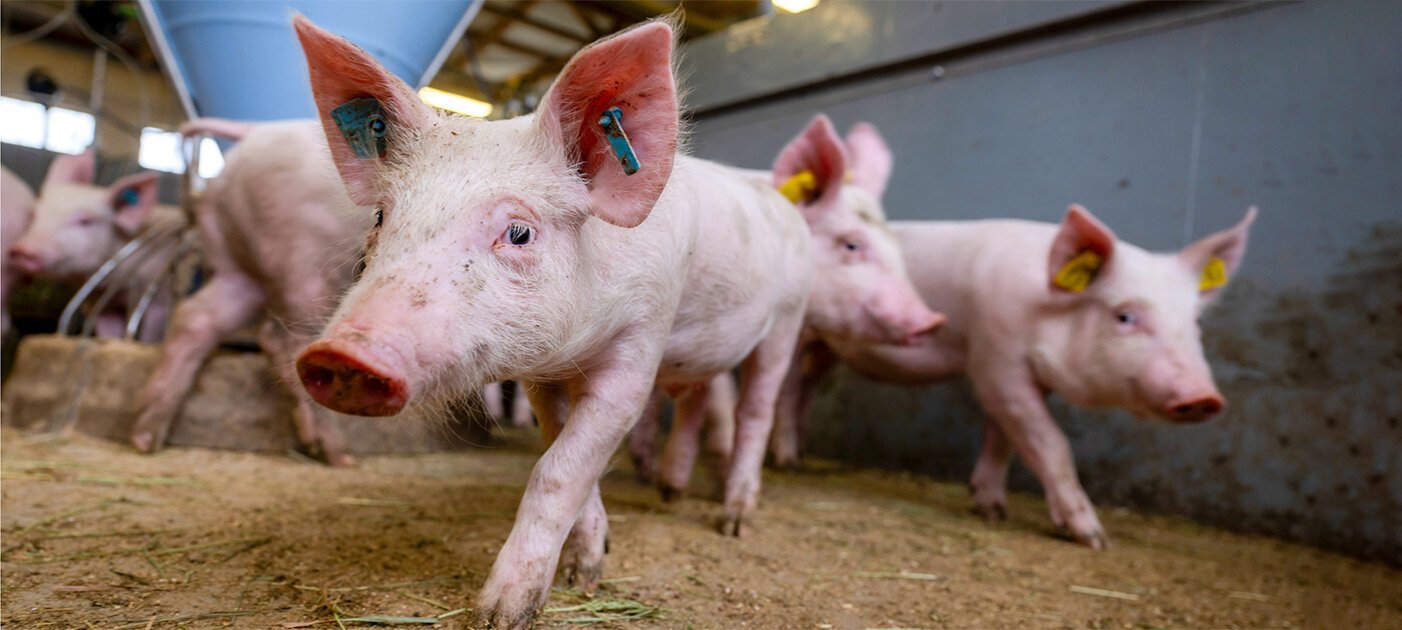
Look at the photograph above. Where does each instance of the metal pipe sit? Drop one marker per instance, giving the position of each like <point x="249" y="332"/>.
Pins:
<point x="149" y="295"/>
<point x="139" y="258"/>
<point x="65" y="321"/>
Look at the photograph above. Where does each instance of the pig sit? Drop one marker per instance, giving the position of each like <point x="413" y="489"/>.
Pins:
<point x="16" y="213"/>
<point x="281" y="239"/>
<point x="524" y="249"/>
<point x="860" y="291"/>
<point x="1022" y="325"/>
<point x="492" y="399"/>
<point x="77" y="226"/>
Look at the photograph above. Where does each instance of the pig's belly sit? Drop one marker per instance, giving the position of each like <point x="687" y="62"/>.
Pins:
<point x="926" y="362"/>
<point x="700" y="349"/>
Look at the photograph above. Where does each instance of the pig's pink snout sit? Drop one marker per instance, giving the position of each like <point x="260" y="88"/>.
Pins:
<point x="350" y="379"/>
<point x="25" y="259"/>
<point x="928" y="323"/>
<point x="1195" y="409"/>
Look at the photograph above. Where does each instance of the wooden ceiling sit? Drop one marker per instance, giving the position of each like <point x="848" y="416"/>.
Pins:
<point x="511" y="51"/>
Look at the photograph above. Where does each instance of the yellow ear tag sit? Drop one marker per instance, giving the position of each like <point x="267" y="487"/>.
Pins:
<point x="799" y="187"/>
<point x="1077" y="273"/>
<point x="1213" y="275"/>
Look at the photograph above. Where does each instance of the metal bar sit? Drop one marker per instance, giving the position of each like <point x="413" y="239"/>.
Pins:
<point x="149" y="295"/>
<point x="139" y="258"/>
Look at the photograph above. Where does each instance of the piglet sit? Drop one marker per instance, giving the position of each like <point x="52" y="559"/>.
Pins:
<point x="16" y="213"/>
<point x="574" y="251"/>
<point x="77" y="226"/>
<point x="281" y="238"/>
<point x="1036" y="308"/>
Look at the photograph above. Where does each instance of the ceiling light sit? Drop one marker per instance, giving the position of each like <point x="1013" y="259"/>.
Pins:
<point x="455" y="103"/>
<point x="795" y="6"/>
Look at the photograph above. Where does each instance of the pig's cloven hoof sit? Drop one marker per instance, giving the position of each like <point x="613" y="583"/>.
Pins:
<point x="1095" y="539"/>
<point x="995" y="512"/>
<point x="732" y="525"/>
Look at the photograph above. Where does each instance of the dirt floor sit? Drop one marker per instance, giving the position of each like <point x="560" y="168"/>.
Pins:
<point x="96" y="536"/>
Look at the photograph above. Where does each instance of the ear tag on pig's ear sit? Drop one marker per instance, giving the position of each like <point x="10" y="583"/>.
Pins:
<point x="129" y="197"/>
<point x="799" y="187"/>
<point x="1077" y="273"/>
<point x="1213" y="275"/>
<point x="362" y="122"/>
<point x="612" y="123"/>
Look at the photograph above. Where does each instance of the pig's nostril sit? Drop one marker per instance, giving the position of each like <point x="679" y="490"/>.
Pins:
<point x="376" y="387"/>
<point x="317" y="376"/>
<point x="1183" y="410"/>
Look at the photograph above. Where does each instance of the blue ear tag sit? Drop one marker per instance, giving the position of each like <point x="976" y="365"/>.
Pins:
<point x="362" y="122"/>
<point x="130" y="197"/>
<point x="612" y="123"/>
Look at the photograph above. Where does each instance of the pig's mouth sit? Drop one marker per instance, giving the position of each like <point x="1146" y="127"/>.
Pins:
<point x="346" y="378"/>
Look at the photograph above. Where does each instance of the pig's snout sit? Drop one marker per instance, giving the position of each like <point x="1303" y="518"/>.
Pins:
<point x="903" y="319"/>
<point x="351" y="378"/>
<point x="1196" y="408"/>
<point x="927" y="323"/>
<point x="26" y="259"/>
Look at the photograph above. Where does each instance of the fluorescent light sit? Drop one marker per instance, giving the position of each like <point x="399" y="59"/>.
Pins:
<point x="455" y="103"/>
<point x="22" y="122"/>
<point x="162" y="150"/>
<point x="70" y="132"/>
<point x="795" y="6"/>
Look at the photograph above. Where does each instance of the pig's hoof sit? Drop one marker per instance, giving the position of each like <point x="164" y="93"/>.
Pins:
<point x="509" y="615"/>
<point x="733" y="525"/>
<point x="341" y="460"/>
<point x="581" y="573"/>
<point x="145" y="442"/>
<point x="994" y="512"/>
<point x="669" y="494"/>
<point x="1095" y="539"/>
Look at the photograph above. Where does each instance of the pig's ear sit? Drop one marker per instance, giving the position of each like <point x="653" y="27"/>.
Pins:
<point x="871" y="158"/>
<point x="386" y="109"/>
<point x="812" y="167"/>
<point x="132" y="198"/>
<point x="1081" y="249"/>
<point x="1217" y="256"/>
<point x="72" y="169"/>
<point x="633" y="72"/>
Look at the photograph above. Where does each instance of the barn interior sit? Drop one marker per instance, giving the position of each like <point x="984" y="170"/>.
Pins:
<point x="1166" y="120"/>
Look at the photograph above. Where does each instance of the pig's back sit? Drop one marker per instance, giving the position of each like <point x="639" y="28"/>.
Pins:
<point x="749" y="261"/>
<point x="974" y="270"/>
<point x="283" y="214"/>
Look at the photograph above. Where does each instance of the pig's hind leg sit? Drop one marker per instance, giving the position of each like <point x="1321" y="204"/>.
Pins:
<point x="314" y="431"/>
<point x="229" y="301"/>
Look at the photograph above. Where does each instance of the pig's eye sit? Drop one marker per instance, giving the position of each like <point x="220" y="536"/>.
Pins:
<point x="87" y="221"/>
<point x="519" y="234"/>
<point x="379" y="218"/>
<point x="1125" y="318"/>
<point x="851" y="246"/>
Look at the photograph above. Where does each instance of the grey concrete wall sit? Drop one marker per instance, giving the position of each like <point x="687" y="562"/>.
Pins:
<point x="1166" y="121"/>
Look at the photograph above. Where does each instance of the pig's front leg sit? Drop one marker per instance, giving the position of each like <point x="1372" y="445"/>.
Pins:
<point x="603" y="405"/>
<point x="990" y="479"/>
<point x="582" y="560"/>
<point x="762" y="374"/>
<point x="720" y="425"/>
<point x="1018" y="405"/>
